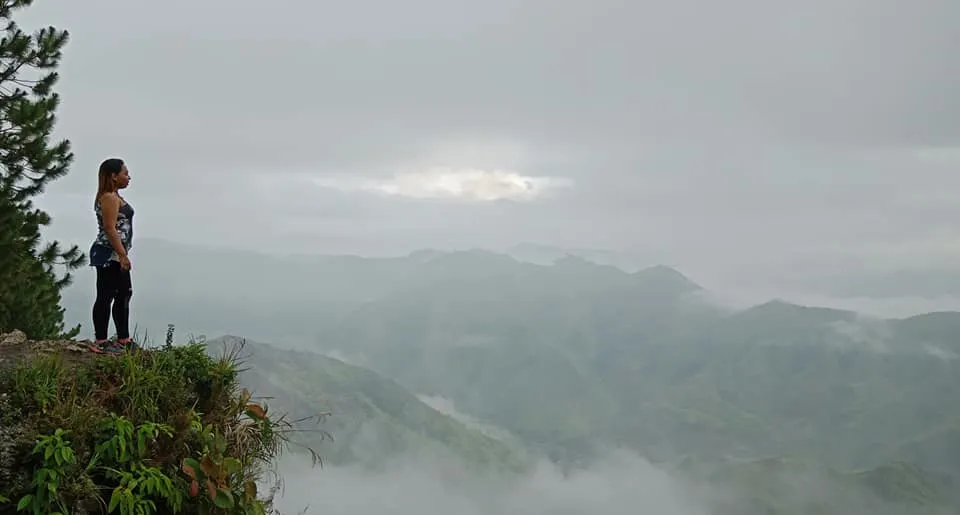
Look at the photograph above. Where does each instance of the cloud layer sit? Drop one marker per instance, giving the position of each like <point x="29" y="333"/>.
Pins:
<point x="741" y="141"/>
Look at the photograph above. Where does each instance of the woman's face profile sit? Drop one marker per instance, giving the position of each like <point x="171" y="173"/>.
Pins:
<point x="123" y="178"/>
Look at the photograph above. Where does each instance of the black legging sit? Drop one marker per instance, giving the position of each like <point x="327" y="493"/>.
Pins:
<point x="113" y="286"/>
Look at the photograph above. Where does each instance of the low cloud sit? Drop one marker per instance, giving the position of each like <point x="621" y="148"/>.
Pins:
<point x="619" y="483"/>
<point x="863" y="333"/>
<point x="355" y="360"/>
<point x="623" y="484"/>
<point x="448" y="407"/>
<point x="730" y="295"/>
<point x="939" y="352"/>
<point x="873" y="334"/>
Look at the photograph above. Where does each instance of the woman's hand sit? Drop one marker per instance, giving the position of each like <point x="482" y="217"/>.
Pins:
<point x="125" y="262"/>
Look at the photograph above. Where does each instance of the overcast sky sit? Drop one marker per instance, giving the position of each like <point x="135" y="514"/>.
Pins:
<point x="713" y="136"/>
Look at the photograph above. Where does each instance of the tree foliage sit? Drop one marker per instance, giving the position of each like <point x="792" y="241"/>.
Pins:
<point x="29" y="285"/>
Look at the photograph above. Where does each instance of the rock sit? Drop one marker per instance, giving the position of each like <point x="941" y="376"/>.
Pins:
<point x="15" y="337"/>
<point x="10" y="440"/>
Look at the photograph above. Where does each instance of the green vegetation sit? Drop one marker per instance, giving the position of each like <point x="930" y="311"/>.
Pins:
<point x="29" y="287"/>
<point x="152" y="431"/>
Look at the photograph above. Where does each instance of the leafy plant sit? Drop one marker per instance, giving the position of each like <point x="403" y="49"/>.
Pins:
<point x="220" y="475"/>
<point x="139" y="485"/>
<point x="135" y="493"/>
<point x="128" y="443"/>
<point x="58" y="457"/>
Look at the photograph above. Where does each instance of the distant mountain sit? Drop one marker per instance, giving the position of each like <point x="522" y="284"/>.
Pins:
<point x="573" y="353"/>
<point x="250" y="293"/>
<point x="548" y="254"/>
<point x="217" y="291"/>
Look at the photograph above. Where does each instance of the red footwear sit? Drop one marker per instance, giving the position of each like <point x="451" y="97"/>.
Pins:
<point x="98" y="346"/>
<point x="127" y="344"/>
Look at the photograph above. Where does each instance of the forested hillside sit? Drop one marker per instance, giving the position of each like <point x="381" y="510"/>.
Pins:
<point x="368" y="418"/>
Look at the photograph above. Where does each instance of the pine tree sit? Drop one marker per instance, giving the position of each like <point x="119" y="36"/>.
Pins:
<point x="29" y="285"/>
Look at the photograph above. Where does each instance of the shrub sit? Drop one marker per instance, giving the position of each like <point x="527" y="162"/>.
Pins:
<point x="165" y="430"/>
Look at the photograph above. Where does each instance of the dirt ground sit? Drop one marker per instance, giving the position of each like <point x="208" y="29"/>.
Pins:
<point x="15" y="347"/>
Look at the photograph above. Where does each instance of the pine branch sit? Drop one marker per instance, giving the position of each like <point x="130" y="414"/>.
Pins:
<point x="29" y="285"/>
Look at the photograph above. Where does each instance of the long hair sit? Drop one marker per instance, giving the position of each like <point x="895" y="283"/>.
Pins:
<point x="109" y="169"/>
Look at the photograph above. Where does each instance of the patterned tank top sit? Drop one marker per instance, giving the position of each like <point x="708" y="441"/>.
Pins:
<point x="101" y="251"/>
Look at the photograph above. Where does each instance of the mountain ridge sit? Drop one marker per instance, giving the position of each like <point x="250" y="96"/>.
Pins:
<point x="364" y="409"/>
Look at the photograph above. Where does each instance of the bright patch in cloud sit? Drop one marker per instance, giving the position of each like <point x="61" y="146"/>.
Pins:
<point x="458" y="184"/>
<point x="945" y="155"/>
<point x="471" y="184"/>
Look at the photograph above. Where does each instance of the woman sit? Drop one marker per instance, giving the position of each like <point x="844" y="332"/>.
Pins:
<point x="108" y="255"/>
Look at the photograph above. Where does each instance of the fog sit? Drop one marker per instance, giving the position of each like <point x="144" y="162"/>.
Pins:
<point x="617" y="483"/>
<point x="448" y="407"/>
<point x="620" y="485"/>
<point x="735" y="296"/>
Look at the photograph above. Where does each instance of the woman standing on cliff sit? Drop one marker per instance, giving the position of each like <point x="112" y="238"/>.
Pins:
<point x="108" y="255"/>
